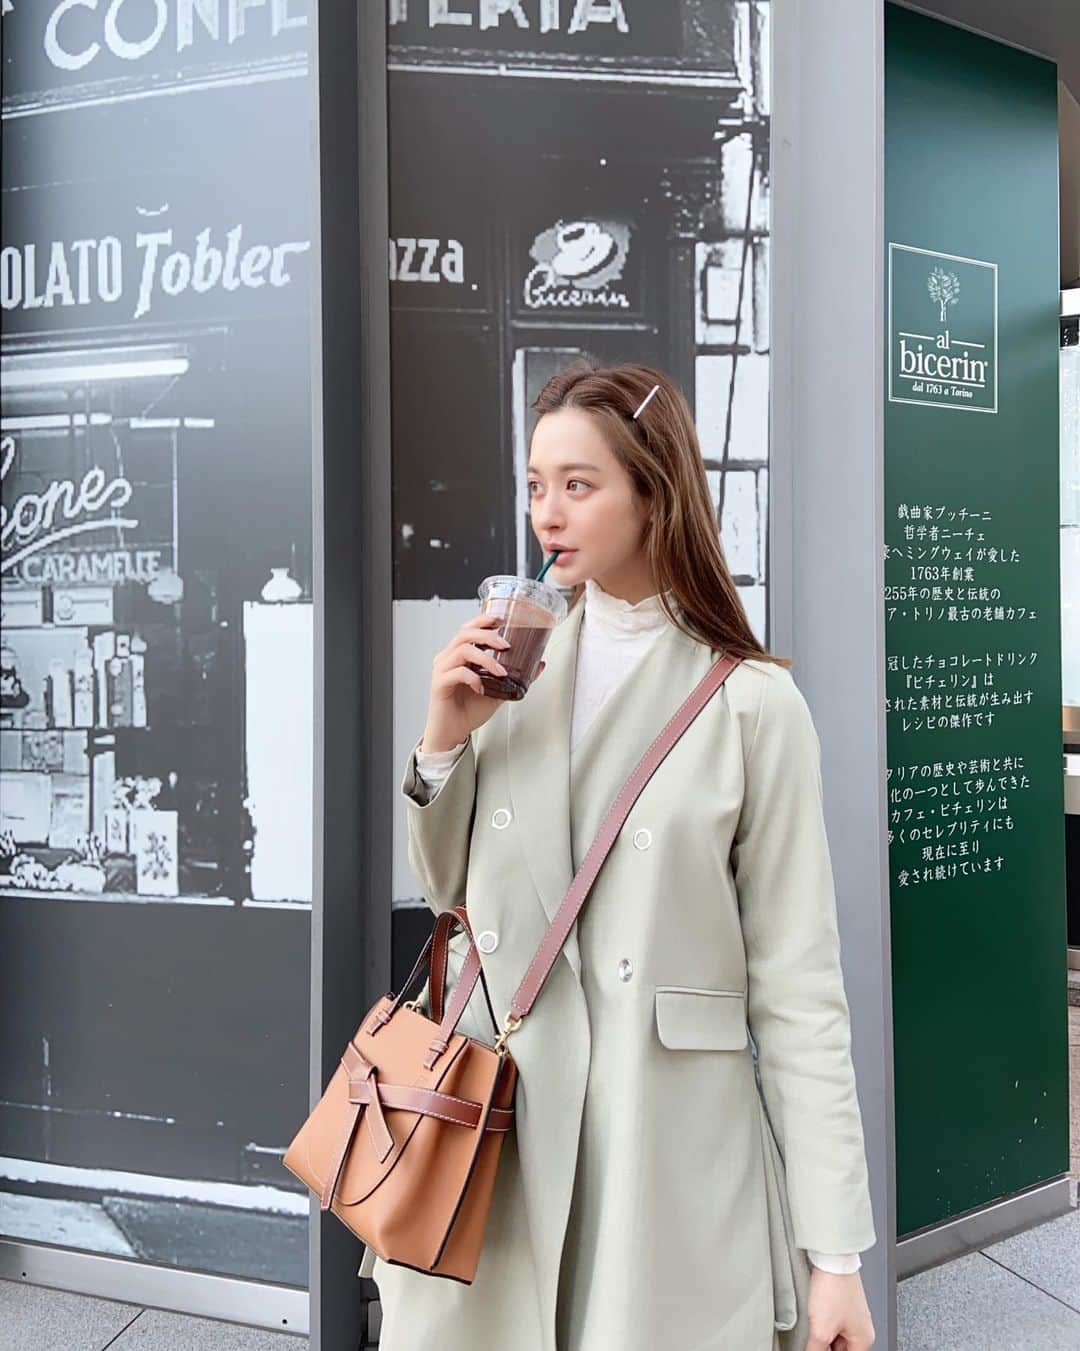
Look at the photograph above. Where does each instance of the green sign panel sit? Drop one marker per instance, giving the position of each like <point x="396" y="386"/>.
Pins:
<point x="943" y="321"/>
<point x="972" y="619"/>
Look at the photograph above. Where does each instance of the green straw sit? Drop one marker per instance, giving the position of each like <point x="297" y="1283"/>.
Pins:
<point x="551" y="559"/>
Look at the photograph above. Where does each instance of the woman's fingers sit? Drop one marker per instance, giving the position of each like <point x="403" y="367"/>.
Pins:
<point x="451" y="654"/>
<point x="471" y="652"/>
<point x="462" y="675"/>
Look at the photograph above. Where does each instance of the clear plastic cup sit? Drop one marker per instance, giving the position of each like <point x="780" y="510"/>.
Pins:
<point x="528" y="612"/>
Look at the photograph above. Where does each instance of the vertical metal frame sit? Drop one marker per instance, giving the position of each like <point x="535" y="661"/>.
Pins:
<point x="827" y="530"/>
<point x="353" y="592"/>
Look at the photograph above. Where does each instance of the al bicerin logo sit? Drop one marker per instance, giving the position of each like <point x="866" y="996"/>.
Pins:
<point x="943" y="329"/>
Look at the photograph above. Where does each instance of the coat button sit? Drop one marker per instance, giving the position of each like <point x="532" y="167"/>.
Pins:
<point x="642" y="838"/>
<point x="501" y="818"/>
<point x="488" y="941"/>
<point x="625" y="969"/>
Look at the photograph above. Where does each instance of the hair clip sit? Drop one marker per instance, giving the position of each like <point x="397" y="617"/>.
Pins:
<point x="646" y="399"/>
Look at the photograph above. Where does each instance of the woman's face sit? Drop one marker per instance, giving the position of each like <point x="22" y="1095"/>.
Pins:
<point x="581" y="497"/>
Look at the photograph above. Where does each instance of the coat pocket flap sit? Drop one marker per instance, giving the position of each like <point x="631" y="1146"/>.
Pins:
<point x="708" y="1020"/>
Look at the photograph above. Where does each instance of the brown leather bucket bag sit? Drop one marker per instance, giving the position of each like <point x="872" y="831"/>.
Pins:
<point x="403" y="1145"/>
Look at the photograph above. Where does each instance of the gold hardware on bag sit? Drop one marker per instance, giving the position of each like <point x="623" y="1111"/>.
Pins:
<point x="510" y="1026"/>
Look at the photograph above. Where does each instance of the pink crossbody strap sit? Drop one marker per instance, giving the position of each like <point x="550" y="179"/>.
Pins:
<point x="567" y="913"/>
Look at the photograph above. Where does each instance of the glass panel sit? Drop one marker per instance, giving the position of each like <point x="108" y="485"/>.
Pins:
<point x="156" y="683"/>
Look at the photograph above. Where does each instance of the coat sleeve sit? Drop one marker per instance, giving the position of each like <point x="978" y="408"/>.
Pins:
<point x="432" y="767"/>
<point x="797" y="1009"/>
<point x="440" y="827"/>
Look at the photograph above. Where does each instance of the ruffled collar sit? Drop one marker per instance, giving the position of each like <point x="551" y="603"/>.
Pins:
<point x="617" y="617"/>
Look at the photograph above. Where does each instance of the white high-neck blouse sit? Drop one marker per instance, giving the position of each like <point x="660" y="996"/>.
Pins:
<point x="613" y="638"/>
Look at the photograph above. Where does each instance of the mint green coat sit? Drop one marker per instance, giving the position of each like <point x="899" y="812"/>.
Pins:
<point x="647" y="1197"/>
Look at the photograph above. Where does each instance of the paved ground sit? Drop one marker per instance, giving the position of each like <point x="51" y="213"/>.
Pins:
<point x="33" y="1318"/>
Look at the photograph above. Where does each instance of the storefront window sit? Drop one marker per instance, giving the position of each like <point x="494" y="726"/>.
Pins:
<point x="156" y="696"/>
<point x="108" y="739"/>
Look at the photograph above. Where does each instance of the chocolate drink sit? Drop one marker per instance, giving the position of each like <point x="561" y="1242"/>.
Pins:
<point x="526" y="628"/>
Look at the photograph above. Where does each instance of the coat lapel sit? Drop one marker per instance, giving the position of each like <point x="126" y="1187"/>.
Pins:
<point x="538" y="741"/>
<point x="625" y="727"/>
<point x="538" y="745"/>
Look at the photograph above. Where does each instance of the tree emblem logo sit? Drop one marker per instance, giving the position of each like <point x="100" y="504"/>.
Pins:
<point x="944" y="288"/>
<point x="950" y="361"/>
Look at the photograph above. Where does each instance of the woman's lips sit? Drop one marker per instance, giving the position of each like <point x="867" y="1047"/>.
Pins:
<point x="564" y="554"/>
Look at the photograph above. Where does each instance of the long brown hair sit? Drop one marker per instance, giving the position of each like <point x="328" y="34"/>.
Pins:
<point x="661" y="453"/>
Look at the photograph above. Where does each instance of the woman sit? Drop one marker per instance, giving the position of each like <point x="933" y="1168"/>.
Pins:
<point x="671" y="1181"/>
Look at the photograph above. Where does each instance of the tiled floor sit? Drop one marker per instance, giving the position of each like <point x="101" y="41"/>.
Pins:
<point x="1022" y="1294"/>
<point x="33" y="1318"/>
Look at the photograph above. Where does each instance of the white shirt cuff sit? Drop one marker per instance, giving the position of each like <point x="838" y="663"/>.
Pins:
<point x="434" y="766"/>
<point x="840" y="1264"/>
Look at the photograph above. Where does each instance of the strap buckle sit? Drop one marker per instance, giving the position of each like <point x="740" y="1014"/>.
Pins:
<point x="509" y="1027"/>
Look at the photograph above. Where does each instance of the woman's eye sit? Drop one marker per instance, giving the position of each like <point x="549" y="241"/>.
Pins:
<point x="534" y="484"/>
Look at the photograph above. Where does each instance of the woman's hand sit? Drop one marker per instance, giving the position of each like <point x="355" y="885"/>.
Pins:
<point x="457" y="704"/>
<point x="837" y="1313"/>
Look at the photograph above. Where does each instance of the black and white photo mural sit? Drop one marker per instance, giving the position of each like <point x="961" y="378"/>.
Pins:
<point x="156" y="671"/>
<point x="566" y="177"/>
